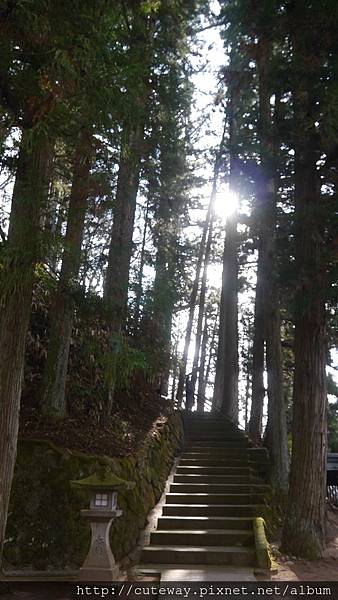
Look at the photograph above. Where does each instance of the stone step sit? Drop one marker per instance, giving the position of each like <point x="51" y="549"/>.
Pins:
<point x="211" y="470"/>
<point x="209" y="423"/>
<point x="219" y="453"/>
<point x="219" y="488"/>
<point x="198" y="523"/>
<point x="213" y="498"/>
<point x="202" y="447"/>
<point x="219" y="430"/>
<point x="203" y="537"/>
<point x="214" y="462"/>
<point x="206" y="416"/>
<point x="208" y="447"/>
<point x="231" y="479"/>
<point x="260" y="455"/>
<point x="212" y="436"/>
<point x="212" y="424"/>
<point x="216" y="510"/>
<point x="200" y="555"/>
<point x="211" y="427"/>
<point x="205" y="573"/>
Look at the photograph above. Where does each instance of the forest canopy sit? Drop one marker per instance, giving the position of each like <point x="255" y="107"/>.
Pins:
<point x="168" y="228"/>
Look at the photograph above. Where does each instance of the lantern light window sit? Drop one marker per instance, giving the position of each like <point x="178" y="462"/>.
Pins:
<point x="101" y="500"/>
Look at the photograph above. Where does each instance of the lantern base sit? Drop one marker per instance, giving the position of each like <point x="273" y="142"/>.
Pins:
<point x="100" y="564"/>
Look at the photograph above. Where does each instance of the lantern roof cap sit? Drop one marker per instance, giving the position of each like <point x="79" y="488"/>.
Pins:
<point x="103" y="480"/>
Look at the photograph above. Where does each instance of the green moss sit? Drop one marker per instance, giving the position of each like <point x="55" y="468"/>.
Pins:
<point x="103" y="479"/>
<point x="263" y="553"/>
<point x="45" y="529"/>
<point x="302" y="539"/>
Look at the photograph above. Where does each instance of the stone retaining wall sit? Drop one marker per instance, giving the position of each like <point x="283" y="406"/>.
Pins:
<point x="45" y="530"/>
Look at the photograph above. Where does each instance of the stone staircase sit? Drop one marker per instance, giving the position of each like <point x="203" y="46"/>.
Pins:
<point x="208" y="515"/>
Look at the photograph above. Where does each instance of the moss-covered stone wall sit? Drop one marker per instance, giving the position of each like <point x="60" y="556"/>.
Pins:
<point x="44" y="527"/>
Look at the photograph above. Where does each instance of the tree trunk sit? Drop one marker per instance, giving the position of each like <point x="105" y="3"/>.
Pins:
<point x="304" y="529"/>
<point x="229" y="405"/>
<point x="62" y="310"/>
<point x="24" y="244"/>
<point x="268" y="293"/>
<point x="174" y="372"/>
<point x="139" y="289"/>
<point x="164" y="299"/>
<point x="202" y="383"/>
<point x="201" y="310"/>
<point x="192" y="306"/>
<point x="194" y="292"/>
<point x="226" y="395"/>
<point x="247" y="396"/>
<point x="211" y="351"/>
<point x="132" y="149"/>
<point x="276" y="438"/>
<point x="258" y="390"/>
<point x="121" y="241"/>
<point x="219" y="379"/>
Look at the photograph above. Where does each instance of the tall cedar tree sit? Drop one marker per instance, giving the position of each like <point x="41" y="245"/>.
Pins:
<point x="304" y="529"/>
<point x="22" y="252"/>
<point x="198" y="359"/>
<point x="226" y="393"/>
<point x="198" y="270"/>
<point x="173" y="181"/>
<point x="42" y="56"/>
<point x="62" y="311"/>
<point x="256" y="31"/>
<point x="140" y="58"/>
<point x="277" y="438"/>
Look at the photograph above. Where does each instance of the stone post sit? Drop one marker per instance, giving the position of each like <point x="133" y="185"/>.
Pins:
<point x="100" y="564"/>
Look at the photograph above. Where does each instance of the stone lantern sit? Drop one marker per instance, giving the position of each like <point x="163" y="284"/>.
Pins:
<point x="103" y="487"/>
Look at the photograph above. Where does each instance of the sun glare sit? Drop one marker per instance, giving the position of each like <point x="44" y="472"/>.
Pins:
<point x="226" y="203"/>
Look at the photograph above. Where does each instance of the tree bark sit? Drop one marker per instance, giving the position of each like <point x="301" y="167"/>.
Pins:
<point x="174" y="372"/>
<point x="277" y="439"/>
<point x="212" y="350"/>
<point x="121" y="241"/>
<point x="229" y="404"/>
<point x="258" y="390"/>
<point x="247" y="396"/>
<point x="62" y="310"/>
<point x="201" y="310"/>
<point x="227" y="368"/>
<point x="164" y="295"/>
<point x="218" y="385"/>
<point x="304" y="529"/>
<point x="202" y="383"/>
<point x="269" y="147"/>
<point x="139" y="289"/>
<point x="22" y="253"/>
<point x="132" y="149"/>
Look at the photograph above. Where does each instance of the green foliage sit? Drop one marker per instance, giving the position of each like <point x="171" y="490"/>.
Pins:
<point x="150" y="6"/>
<point x="122" y="362"/>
